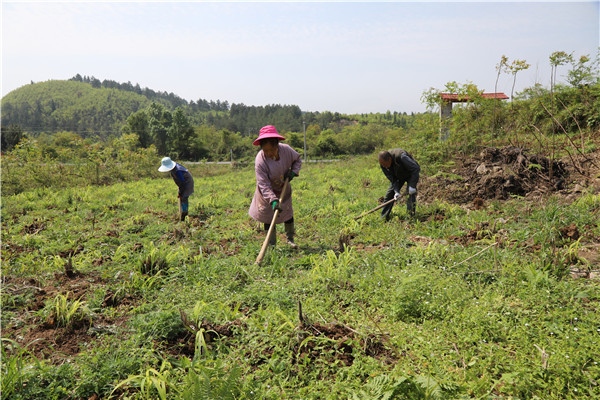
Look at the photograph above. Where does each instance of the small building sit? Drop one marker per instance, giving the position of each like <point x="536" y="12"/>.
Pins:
<point x="446" y="101"/>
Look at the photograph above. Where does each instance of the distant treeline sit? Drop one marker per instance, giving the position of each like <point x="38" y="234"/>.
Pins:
<point x="100" y="110"/>
<point x="170" y="98"/>
<point x="240" y="118"/>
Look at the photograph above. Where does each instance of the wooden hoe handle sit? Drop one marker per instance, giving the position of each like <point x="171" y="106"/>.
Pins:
<point x="263" y="249"/>
<point x="375" y="209"/>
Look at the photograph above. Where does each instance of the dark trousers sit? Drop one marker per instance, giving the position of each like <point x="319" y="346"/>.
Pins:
<point x="289" y="230"/>
<point x="411" y="202"/>
<point x="289" y="221"/>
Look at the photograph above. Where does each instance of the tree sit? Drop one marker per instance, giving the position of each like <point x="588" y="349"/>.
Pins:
<point x="159" y="120"/>
<point x="137" y="123"/>
<point x="501" y="67"/>
<point x="180" y="133"/>
<point x="515" y="67"/>
<point x="11" y="136"/>
<point x="556" y="59"/>
<point x="584" y="71"/>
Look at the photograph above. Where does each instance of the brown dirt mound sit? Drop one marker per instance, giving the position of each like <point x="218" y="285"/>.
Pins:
<point x="334" y="341"/>
<point x="499" y="173"/>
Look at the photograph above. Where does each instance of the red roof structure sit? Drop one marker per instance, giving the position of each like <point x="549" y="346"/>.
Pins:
<point x="454" y="98"/>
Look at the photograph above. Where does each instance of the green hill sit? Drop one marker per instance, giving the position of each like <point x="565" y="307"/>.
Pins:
<point x="57" y="105"/>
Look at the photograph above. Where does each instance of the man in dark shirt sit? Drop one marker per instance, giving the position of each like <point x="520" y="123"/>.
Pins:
<point x="399" y="167"/>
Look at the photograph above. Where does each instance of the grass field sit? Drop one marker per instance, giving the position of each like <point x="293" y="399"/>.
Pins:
<point x="105" y="294"/>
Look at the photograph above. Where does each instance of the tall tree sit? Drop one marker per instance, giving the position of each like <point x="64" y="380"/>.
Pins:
<point x="137" y="123"/>
<point x="11" y="136"/>
<point x="159" y="120"/>
<point x="515" y="67"/>
<point x="180" y="134"/>
<point x="556" y="59"/>
<point x="584" y="71"/>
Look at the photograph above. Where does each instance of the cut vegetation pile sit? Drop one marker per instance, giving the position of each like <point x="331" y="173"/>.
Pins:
<point x="500" y="173"/>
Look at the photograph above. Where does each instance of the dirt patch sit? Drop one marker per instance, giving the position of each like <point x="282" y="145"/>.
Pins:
<point x="497" y="173"/>
<point x="336" y="342"/>
<point x="35" y="227"/>
<point x="42" y="336"/>
<point x="185" y="344"/>
<point x="481" y="231"/>
<point x="570" y="232"/>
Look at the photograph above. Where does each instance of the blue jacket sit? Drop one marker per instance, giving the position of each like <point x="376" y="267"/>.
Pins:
<point x="183" y="179"/>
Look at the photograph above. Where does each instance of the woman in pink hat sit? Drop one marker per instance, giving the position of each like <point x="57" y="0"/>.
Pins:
<point x="274" y="163"/>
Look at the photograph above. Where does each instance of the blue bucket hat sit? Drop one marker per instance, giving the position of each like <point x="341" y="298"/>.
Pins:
<point x="166" y="165"/>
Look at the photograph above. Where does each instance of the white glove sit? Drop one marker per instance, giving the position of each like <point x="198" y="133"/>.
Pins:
<point x="396" y="196"/>
<point x="412" y="190"/>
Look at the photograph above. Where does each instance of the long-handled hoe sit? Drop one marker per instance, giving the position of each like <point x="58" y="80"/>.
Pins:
<point x="263" y="249"/>
<point x="180" y="210"/>
<point x="375" y="209"/>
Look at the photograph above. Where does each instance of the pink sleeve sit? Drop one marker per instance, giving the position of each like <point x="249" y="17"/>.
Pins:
<point x="262" y="180"/>
<point x="297" y="163"/>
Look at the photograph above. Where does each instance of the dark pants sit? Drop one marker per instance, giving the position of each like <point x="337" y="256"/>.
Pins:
<point x="411" y="202"/>
<point x="289" y="228"/>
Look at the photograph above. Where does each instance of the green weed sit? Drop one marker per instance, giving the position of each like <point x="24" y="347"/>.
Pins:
<point x="65" y="313"/>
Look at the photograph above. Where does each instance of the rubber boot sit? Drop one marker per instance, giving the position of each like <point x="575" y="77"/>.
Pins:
<point x="184" y="210"/>
<point x="290" y="231"/>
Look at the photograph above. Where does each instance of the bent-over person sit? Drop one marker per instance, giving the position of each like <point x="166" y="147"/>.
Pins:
<point x="273" y="164"/>
<point x="400" y="168"/>
<point x="184" y="181"/>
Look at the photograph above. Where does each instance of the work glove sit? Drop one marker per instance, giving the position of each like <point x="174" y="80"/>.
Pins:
<point x="275" y="205"/>
<point x="290" y="175"/>
<point x="412" y="190"/>
<point x="396" y="195"/>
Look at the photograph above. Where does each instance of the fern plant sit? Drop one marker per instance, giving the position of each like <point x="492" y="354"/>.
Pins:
<point x="384" y="387"/>
<point x="205" y="383"/>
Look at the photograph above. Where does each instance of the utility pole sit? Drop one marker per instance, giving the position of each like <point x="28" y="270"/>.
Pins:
<point x="304" y="128"/>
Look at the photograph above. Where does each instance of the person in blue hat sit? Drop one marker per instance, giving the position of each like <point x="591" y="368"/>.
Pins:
<point x="184" y="181"/>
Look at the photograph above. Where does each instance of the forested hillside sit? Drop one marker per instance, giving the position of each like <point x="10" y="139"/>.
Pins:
<point x="98" y="109"/>
<point x="52" y="106"/>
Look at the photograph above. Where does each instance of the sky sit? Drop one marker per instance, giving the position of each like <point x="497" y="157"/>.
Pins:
<point x="347" y="57"/>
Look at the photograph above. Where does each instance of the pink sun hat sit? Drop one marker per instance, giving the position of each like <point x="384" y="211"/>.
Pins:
<point x="267" y="132"/>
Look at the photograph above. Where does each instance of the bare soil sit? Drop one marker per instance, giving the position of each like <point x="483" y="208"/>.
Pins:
<point x="42" y="337"/>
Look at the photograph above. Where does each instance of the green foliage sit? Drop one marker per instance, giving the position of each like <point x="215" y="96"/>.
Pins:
<point x="212" y="383"/>
<point x="73" y="163"/>
<point x="156" y="260"/>
<point x="159" y="325"/>
<point x="65" y="313"/>
<point x="383" y="387"/>
<point x="152" y="383"/>
<point x="25" y="377"/>
<point x="101" y="368"/>
<point x="71" y="106"/>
